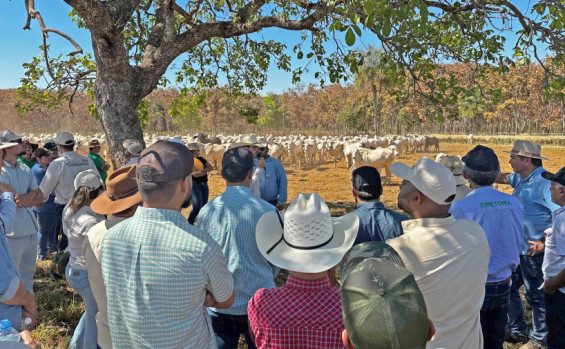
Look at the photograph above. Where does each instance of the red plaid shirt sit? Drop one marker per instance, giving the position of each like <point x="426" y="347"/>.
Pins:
<point x="301" y="314"/>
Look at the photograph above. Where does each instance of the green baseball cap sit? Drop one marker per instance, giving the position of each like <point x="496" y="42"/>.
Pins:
<point x="382" y="304"/>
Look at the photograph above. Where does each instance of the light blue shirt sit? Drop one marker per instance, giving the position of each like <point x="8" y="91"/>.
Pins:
<point x="10" y="279"/>
<point x="157" y="269"/>
<point x="502" y="218"/>
<point x="533" y="192"/>
<point x="273" y="183"/>
<point x="231" y="219"/>
<point x="21" y="179"/>
<point x="377" y="223"/>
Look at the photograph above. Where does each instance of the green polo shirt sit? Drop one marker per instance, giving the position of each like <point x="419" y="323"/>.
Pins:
<point x="29" y="164"/>
<point x="99" y="162"/>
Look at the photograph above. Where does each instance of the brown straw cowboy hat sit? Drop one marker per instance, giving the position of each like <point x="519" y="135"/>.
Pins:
<point x="526" y="148"/>
<point x="121" y="193"/>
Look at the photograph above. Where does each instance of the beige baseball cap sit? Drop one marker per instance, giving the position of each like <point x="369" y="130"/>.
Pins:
<point x="431" y="178"/>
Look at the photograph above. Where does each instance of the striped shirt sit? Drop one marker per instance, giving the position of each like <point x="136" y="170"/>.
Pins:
<point x="231" y="219"/>
<point x="303" y="314"/>
<point x="157" y="269"/>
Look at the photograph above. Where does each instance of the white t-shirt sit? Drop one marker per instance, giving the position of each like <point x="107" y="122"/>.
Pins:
<point x="554" y="257"/>
<point x="449" y="259"/>
<point x="61" y="174"/>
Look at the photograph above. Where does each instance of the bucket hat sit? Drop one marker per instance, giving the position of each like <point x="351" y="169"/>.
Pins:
<point x="526" y="148"/>
<point x="121" y="192"/>
<point x="307" y="239"/>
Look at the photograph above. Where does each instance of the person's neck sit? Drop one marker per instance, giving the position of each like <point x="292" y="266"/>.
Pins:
<point x="11" y="159"/>
<point x="163" y="205"/>
<point x="474" y="185"/>
<point x="238" y="184"/>
<point x="431" y="212"/>
<point x="26" y="156"/>
<point x="361" y="201"/>
<point x="308" y="276"/>
<point x="527" y="172"/>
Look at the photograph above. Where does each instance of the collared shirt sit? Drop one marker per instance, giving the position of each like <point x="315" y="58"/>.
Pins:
<point x="533" y="192"/>
<point x="231" y="219"/>
<point x="61" y="174"/>
<point x="10" y="280"/>
<point x="23" y="161"/>
<point x="21" y="179"/>
<point x="449" y="259"/>
<point x="157" y="269"/>
<point x="301" y="314"/>
<point x="486" y="206"/>
<point x="377" y="223"/>
<point x="554" y="257"/>
<point x="273" y="183"/>
<point x="99" y="163"/>
<point x="48" y="206"/>
<point x="91" y="249"/>
<point x="75" y="226"/>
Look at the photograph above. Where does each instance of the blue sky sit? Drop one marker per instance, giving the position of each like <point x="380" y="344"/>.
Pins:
<point x="20" y="46"/>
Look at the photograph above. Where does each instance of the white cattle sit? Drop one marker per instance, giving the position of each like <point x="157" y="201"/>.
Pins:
<point x="276" y="151"/>
<point x="213" y="153"/>
<point x="377" y="158"/>
<point x="310" y="150"/>
<point x="295" y="153"/>
<point x="441" y="158"/>
<point x="469" y="138"/>
<point x="349" y="149"/>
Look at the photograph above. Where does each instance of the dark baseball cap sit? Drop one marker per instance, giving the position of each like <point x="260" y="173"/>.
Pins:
<point x="169" y="160"/>
<point x="482" y="159"/>
<point x="237" y="160"/>
<point x="50" y="145"/>
<point x="367" y="180"/>
<point x="558" y="177"/>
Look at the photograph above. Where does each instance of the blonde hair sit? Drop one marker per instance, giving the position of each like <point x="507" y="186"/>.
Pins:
<point x="83" y="196"/>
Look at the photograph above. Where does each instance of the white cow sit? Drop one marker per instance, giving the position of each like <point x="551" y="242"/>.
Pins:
<point x="469" y="138"/>
<point x="213" y="153"/>
<point x="295" y="153"/>
<point x="377" y="158"/>
<point x="310" y="150"/>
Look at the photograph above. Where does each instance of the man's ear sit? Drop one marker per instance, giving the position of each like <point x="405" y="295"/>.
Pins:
<point x="186" y="183"/>
<point x="345" y="340"/>
<point x="354" y="192"/>
<point x="464" y="174"/>
<point x="417" y="197"/>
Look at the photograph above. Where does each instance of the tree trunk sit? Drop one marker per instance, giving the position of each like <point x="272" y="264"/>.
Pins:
<point x="375" y="109"/>
<point x="113" y="99"/>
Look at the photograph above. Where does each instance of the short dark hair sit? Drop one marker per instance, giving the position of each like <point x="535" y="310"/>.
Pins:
<point x="237" y="177"/>
<point x="536" y="162"/>
<point x="69" y="147"/>
<point x="481" y="178"/>
<point x="155" y="191"/>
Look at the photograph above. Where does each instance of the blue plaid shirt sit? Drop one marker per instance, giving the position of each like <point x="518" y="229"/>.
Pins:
<point x="231" y="219"/>
<point x="157" y="269"/>
<point x="533" y="192"/>
<point x="377" y="223"/>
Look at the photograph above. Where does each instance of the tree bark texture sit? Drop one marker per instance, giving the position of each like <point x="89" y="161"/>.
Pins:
<point x="375" y="109"/>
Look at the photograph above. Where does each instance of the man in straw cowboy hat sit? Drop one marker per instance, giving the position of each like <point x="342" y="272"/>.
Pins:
<point x="449" y="257"/>
<point x="486" y="206"/>
<point x="306" y="311"/>
<point x="251" y="143"/>
<point x="231" y="219"/>
<point x="120" y="200"/>
<point x="454" y="164"/>
<point x="161" y="272"/>
<point x="533" y="192"/>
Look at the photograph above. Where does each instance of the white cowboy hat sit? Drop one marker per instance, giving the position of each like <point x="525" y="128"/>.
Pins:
<point x="307" y="239"/>
<point x="250" y="139"/>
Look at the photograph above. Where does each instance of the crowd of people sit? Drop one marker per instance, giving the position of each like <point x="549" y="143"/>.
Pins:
<point x="446" y="274"/>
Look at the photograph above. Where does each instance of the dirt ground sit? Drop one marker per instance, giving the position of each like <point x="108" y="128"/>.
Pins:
<point x="334" y="184"/>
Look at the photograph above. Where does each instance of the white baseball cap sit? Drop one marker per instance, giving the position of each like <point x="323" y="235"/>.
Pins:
<point x="431" y="178"/>
<point x="88" y="178"/>
<point x="64" y="138"/>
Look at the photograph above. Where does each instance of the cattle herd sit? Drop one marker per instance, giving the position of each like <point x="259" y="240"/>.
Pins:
<point x="301" y="150"/>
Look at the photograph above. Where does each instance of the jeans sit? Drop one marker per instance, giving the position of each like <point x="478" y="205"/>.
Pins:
<point x="530" y="275"/>
<point x="555" y="317"/>
<point x="85" y="335"/>
<point x="494" y="313"/>
<point x="63" y="243"/>
<point x="48" y="222"/>
<point x="200" y="192"/>
<point x="24" y="252"/>
<point x="228" y="328"/>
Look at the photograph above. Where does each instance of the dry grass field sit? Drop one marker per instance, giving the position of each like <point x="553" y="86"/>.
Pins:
<point x="60" y="307"/>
